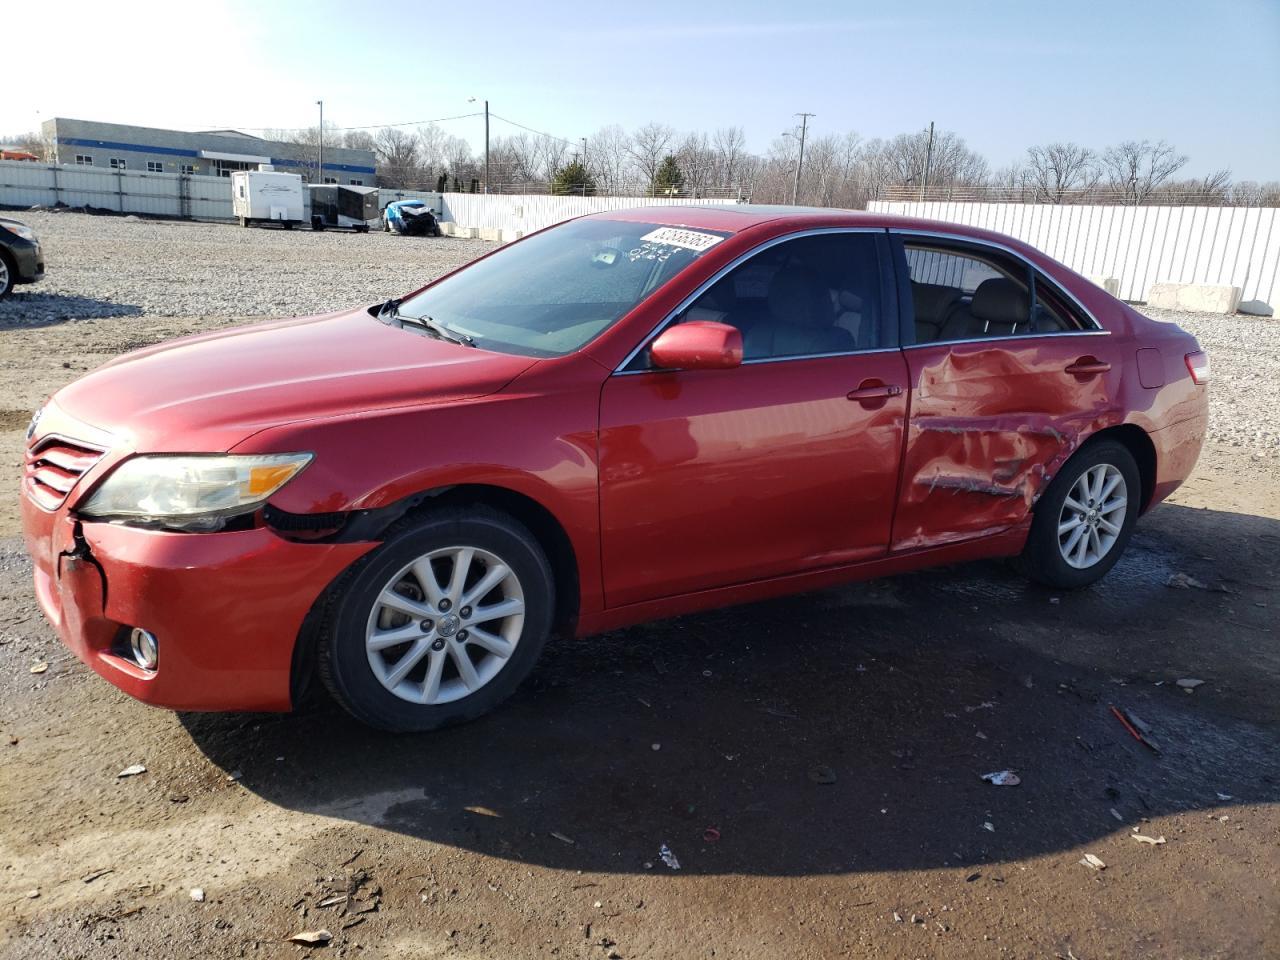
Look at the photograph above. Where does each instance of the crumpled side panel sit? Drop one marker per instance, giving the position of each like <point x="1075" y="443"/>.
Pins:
<point x="990" y="425"/>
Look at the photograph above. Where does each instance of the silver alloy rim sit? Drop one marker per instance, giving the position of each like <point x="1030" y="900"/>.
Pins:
<point x="445" y="625"/>
<point x="4" y="275"/>
<point x="1092" y="516"/>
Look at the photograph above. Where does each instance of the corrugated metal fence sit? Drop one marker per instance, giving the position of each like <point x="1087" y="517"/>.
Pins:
<point x="24" y="184"/>
<point x="1139" y="246"/>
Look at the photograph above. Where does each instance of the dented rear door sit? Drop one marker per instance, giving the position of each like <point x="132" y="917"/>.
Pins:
<point x="990" y="423"/>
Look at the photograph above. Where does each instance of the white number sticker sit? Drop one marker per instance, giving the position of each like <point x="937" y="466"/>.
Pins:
<point x="676" y="237"/>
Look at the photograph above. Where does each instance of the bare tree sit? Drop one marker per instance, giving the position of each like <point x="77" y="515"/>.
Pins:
<point x="647" y="148"/>
<point x="1137" y="167"/>
<point x="608" y="158"/>
<point x="697" y="163"/>
<point x="398" y="162"/>
<point x="356" y="140"/>
<point x="1054" y="169"/>
<point x="950" y="162"/>
<point x="729" y="146"/>
<point x="461" y="164"/>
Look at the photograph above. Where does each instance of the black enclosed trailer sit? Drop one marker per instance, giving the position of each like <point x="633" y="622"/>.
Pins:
<point x="340" y="205"/>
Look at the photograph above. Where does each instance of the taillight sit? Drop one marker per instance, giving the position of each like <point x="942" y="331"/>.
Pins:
<point x="1198" y="365"/>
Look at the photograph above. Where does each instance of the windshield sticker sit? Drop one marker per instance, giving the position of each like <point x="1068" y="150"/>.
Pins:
<point x="676" y="237"/>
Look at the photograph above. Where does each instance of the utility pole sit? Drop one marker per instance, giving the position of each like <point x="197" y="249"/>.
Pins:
<point x="804" y="127"/>
<point x="928" y="163"/>
<point x="486" y="141"/>
<point x="320" y="162"/>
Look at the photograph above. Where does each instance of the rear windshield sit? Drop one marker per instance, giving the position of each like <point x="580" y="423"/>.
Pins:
<point x="554" y="292"/>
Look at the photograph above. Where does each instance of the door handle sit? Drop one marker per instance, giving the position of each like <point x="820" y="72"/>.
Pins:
<point x="1088" y="367"/>
<point x="871" y="390"/>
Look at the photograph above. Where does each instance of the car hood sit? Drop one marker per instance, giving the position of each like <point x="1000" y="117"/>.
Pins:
<point x="210" y="391"/>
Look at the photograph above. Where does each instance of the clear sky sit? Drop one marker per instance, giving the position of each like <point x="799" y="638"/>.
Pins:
<point x="1204" y="75"/>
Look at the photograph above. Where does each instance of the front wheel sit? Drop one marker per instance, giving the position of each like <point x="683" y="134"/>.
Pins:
<point x="441" y="624"/>
<point x="1085" y="518"/>
<point x="8" y="276"/>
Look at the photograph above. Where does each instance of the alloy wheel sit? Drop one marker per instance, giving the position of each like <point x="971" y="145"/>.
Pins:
<point x="445" y="625"/>
<point x="1092" y="516"/>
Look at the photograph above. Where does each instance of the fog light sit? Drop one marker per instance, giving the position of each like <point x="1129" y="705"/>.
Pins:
<point x="143" y="645"/>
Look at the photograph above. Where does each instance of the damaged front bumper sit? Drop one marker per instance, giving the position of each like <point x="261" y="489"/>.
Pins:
<point x="226" y="608"/>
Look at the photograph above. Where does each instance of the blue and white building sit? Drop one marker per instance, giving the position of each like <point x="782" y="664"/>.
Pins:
<point x="115" y="146"/>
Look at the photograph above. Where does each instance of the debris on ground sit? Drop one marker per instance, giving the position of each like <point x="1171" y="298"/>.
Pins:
<point x="132" y="770"/>
<point x="897" y="917"/>
<point x="1002" y="778"/>
<point x="1154" y="841"/>
<point x="40" y="667"/>
<point x="1183" y="581"/>
<point x="197" y="894"/>
<point x="1133" y="727"/>
<point x="93" y="875"/>
<point x="1224" y="796"/>
<point x="989" y="826"/>
<point x="1116" y="813"/>
<point x="821" y="773"/>
<point x="32" y="894"/>
<point x="233" y="776"/>
<point x="562" y="838"/>
<point x="310" y="938"/>
<point x="668" y="857"/>
<point x="1092" y="862"/>
<point x="1189" y="683"/>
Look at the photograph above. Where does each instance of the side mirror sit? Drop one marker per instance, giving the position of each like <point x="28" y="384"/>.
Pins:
<point x="698" y="345"/>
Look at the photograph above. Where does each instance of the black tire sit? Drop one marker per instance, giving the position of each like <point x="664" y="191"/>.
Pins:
<point x="1042" y="558"/>
<point x="287" y="224"/>
<point x="8" y="276"/>
<point x="343" y="663"/>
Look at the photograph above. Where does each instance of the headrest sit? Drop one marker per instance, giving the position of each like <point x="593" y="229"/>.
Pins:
<point x="1001" y="300"/>
<point x="796" y="297"/>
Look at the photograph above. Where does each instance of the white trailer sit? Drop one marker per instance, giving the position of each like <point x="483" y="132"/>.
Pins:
<point x="261" y="196"/>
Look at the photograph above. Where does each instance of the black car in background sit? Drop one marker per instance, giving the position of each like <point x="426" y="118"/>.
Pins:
<point x="21" y="260"/>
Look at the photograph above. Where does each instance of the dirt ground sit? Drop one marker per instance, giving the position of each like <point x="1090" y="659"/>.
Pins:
<point x="814" y="764"/>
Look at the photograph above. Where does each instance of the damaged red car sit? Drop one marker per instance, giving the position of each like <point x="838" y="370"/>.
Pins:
<point x="628" y="416"/>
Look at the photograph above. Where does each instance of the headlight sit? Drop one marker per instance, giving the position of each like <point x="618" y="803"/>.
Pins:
<point x="25" y="232"/>
<point x="192" y="492"/>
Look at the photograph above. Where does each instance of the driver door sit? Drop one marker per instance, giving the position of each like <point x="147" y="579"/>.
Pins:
<point x="784" y="464"/>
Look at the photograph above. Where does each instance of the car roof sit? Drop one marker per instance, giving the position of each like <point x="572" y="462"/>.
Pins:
<point x="735" y="217"/>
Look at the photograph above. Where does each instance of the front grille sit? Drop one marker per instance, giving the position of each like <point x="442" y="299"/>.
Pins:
<point x="54" y="465"/>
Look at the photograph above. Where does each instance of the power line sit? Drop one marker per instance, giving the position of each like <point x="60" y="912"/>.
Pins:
<point x="367" y="126"/>
<point x="541" y="133"/>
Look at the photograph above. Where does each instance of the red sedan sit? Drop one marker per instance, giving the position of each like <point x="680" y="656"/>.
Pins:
<point x="624" y="417"/>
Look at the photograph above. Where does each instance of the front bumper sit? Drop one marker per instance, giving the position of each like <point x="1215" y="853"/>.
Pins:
<point x="29" y="260"/>
<point x="226" y="608"/>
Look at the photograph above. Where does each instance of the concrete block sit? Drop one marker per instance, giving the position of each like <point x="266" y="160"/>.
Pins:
<point x="510" y="235"/>
<point x="492" y="234"/>
<point x="1194" y="297"/>
<point x="1109" y="284"/>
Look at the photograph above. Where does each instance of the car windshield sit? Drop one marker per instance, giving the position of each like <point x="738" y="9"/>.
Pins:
<point x="552" y="293"/>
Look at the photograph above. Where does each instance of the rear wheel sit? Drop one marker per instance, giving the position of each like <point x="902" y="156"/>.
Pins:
<point x="441" y="624"/>
<point x="1085" y="519"/>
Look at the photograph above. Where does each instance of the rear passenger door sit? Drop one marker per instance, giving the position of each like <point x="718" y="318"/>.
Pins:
<point x="1007" y="373"/>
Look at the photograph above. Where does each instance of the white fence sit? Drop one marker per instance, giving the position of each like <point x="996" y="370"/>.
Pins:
<point x="528" y="212"/>
<point x="25" y="184"/>
<point x="1139" y="246"/>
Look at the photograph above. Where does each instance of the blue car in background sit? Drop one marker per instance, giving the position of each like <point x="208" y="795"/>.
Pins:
<point x="411" y="218"/>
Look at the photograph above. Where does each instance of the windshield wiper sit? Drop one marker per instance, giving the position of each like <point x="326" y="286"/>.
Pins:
<point x="391" y="311"/>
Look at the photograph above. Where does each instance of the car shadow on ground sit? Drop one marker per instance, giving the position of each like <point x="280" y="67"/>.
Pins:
<point x="838" y="731"/>
<point x="26" y="308"/>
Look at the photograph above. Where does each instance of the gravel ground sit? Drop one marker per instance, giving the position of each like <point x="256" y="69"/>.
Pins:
<point x="101" y="266"/>
<point x="536" y="831"/>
